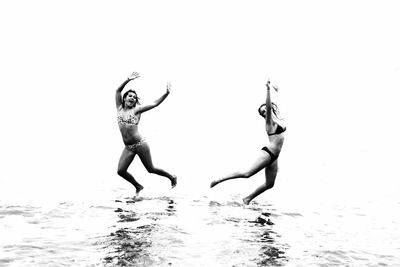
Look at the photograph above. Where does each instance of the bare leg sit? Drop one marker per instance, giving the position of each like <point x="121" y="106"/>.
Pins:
<point x="260" y="163"/>
<point x="270" y="176"/>
<point x="145" y="157"/>
<point x="124" y="162"/>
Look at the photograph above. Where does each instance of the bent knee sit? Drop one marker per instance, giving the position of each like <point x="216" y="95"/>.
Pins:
<point x="152" y="170"/>
<point x="121" y="172"/>
<point x="270" y="185"/>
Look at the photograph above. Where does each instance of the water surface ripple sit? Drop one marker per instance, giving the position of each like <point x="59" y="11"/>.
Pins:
<point x="183" y="230"/>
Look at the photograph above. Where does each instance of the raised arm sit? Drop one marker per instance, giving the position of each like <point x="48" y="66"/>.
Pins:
<point x="269" y="123"/>
<point x="157" y="102"/>
<point x="118" y="97"/>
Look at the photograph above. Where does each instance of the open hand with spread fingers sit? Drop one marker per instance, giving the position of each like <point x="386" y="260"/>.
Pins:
<point x="133" y="76"/>
<point x="168" y="87"/>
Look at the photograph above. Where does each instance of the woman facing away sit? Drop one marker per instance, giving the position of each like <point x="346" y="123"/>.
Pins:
<point x="268" y="157"/>
<point x="129" y="112"/>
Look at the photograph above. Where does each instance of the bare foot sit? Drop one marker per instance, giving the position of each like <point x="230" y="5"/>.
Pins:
<point x="214" y="183"/>
<point x="246" y="201"/>
<point x="138" y="189"/>
<point x="174" y="181"/>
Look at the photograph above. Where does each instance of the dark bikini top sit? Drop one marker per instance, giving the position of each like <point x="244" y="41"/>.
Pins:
<point x="279" y="130"/>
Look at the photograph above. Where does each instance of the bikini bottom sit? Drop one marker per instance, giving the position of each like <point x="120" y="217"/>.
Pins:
<point x="272" y="155"/>
<point x="135" y="146"/>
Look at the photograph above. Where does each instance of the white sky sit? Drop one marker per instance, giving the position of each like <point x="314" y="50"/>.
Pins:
<point x="337" y="64"/>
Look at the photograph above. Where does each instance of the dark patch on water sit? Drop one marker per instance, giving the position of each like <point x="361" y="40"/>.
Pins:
<point x="128" y="246"/>
<point x="263" y="221"/>
<point x="214" y="204"/>
<point x="68" y="204"/>
<point x="267" y="237"/>
<point x="156" y="215"/>
<point x="272" y="256"/>
<point x="232" y="219"/>
<point x="255" y="208"/>
<point x="234" y="204"/>
<point x="272" y="253"/>
<point x="171" y="210"/>
<point x="128" y="217"/>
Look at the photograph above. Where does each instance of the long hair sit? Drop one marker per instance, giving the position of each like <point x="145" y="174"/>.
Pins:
<point x="274" y="109"/>
<point x="126" y="93"/>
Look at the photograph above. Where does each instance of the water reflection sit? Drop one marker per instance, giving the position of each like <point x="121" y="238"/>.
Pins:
<point x="272" y="252"/>
<point x="129" y="246"/>
<point x="254" y="240"/>
<point x="136" y="227"/>
<point x="148" y="232"/>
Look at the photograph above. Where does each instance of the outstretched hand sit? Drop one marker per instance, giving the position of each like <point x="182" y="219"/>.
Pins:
<point x="267" y="84"/>
<point x="168" y="87"/>
<point x="273" y="86"/>
<point x="133" y="76"/>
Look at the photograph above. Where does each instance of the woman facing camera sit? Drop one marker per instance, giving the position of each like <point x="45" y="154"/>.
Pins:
<point x="268" y="156"/>
<point x="129" y="112"/>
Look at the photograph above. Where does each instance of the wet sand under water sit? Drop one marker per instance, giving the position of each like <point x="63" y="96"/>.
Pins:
<point x="193" y="231"/>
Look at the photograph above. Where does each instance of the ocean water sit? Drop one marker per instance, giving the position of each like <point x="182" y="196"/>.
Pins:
<point x="201" y="229"/>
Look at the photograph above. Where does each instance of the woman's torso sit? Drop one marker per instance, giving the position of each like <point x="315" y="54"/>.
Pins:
<point x="276" y="137"/>
<point x="128" y="122"/>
